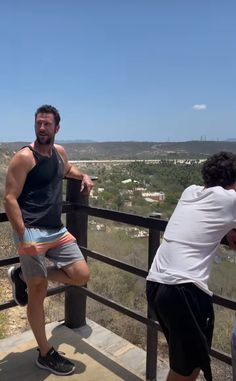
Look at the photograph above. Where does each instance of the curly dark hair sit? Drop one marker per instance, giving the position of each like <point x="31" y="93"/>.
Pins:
<point x="219" y="169"/>
<point x="48" y="109"/>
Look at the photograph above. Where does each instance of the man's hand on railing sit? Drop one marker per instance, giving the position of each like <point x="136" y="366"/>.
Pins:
<point x="86" y="184"/>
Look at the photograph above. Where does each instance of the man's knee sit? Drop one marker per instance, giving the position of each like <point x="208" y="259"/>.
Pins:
<point x="82" y="276"/>
<point x="37" y="288"/>
<point x="87" y="276"/>
<point x="79" y="273"/>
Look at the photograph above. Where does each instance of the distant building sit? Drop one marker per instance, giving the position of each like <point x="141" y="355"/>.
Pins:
<point x="137" y="233"/>
<point x="127" y="181"/>
<point x="153" y="196"/>
<point x="140" y="189"/>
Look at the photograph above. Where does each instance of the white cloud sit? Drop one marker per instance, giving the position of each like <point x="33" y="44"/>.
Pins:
<point x="199" y="107"/>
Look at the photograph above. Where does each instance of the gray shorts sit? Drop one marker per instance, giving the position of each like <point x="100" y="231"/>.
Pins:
<point x="40" y="245"/>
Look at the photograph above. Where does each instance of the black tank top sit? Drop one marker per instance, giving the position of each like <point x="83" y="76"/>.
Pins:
<point x="41" y="198"/>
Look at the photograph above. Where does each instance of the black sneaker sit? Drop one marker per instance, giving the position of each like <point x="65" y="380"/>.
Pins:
<point x="19" y="288"/>
<point x="55" y="363"/>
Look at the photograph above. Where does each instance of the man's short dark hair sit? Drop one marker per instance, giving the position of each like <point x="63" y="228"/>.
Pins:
<point x="48" y="109"/>
<point x="220" y="169"/>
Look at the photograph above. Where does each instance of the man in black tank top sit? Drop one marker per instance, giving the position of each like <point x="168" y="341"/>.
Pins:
<point x="33" y="203"/>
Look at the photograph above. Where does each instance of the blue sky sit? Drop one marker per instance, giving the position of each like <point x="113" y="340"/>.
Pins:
<point x="145" y="70"/>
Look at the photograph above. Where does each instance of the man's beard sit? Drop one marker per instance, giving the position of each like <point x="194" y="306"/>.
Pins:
<point x="42" y="141"/>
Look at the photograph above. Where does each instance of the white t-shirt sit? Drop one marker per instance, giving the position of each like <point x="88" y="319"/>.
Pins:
<point x="202" y="217"/>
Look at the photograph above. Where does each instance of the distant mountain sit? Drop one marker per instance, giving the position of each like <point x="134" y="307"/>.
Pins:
<point x="146" y="150"/>
<point x="136" y="150"/>
<point x="75" y="141"/>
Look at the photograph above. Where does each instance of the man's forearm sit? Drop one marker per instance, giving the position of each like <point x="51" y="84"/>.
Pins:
<point x="15" y="217"/>
<point x="86" y="182"/>
<point x="74" y="173"/>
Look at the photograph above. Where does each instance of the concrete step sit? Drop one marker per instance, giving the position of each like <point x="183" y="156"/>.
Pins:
<point x="99" y="355"/>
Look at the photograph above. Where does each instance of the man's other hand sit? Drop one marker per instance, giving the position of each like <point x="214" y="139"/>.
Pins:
<point x="231" y="238"/>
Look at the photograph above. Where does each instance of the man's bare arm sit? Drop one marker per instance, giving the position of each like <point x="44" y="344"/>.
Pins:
<point x="18" y="168"/>
<point x="73" y="172"/>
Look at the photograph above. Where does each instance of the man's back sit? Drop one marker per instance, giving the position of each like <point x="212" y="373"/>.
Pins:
<point x="202" y="215"/>
<point x="201" y="219"/>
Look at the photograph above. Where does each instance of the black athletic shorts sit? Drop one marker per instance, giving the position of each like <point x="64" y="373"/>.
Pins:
<point x="186" y="316"/>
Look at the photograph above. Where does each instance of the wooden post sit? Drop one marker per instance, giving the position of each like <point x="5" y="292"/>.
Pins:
<point x="77" y="224"/>
<point x="152" y="334"/>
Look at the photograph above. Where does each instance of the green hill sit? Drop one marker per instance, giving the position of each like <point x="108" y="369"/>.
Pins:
<point x="136" y="150"/>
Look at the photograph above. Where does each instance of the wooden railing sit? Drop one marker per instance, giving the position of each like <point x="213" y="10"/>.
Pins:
<point x="77" y="211"/>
